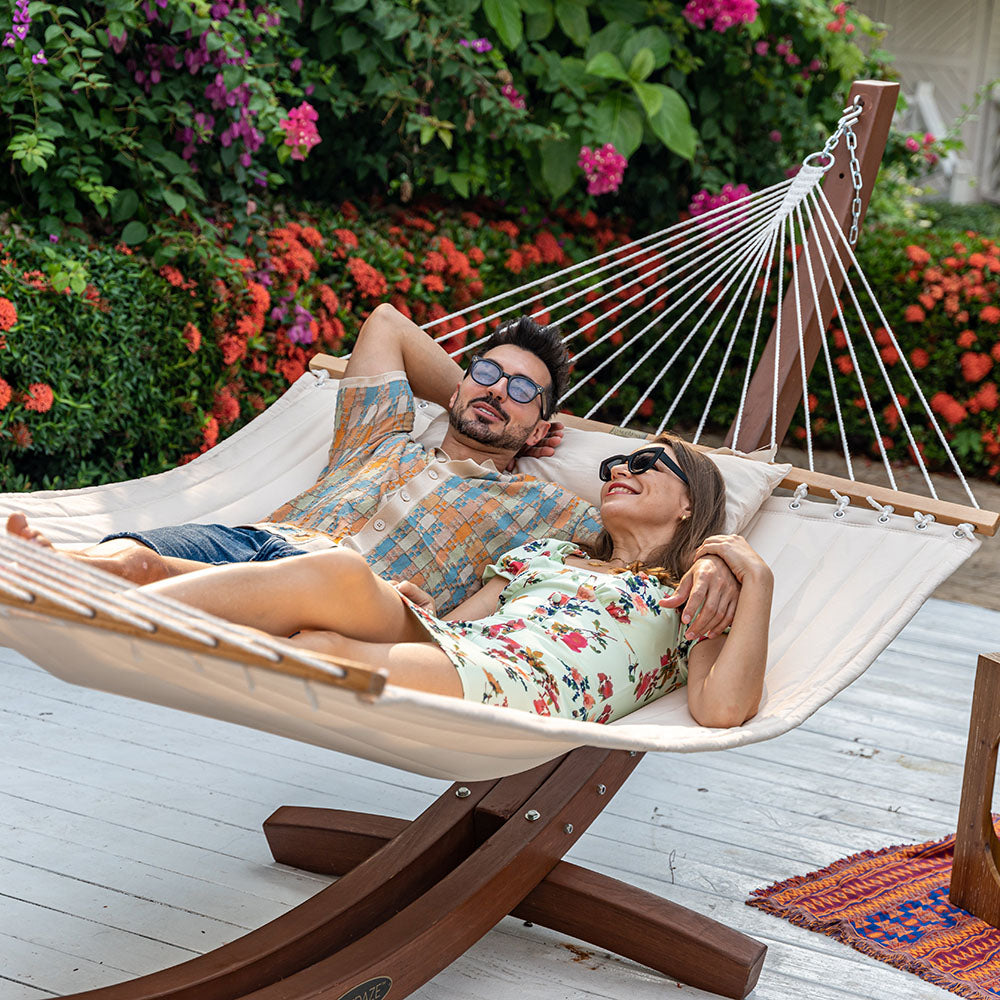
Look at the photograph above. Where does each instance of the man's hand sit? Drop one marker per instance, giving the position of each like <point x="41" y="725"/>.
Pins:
<point x="544" y="449"/>
<point x="710" y="592"/>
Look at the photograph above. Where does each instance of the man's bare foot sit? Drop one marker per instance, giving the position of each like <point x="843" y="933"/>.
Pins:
<point x="17" y="524"/>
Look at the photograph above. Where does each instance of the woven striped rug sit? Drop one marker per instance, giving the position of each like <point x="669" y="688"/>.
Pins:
<point x="893" y="904"/>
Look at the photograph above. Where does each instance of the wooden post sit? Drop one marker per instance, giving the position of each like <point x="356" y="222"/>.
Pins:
<point x="975" y="876"/>
<point x="872" y="130"/>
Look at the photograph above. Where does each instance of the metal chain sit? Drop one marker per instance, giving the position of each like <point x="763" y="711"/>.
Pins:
<point x="845" y="128"/>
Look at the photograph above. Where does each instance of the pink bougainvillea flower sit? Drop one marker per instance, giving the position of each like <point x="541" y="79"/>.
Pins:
<point x="513" y="96"/>
<point x="476" y="44"/>
<point x="723" y="14"/>
<point x="604" y="168"/>
<point x="300" y="130"/>
<point x="39" y="58"/>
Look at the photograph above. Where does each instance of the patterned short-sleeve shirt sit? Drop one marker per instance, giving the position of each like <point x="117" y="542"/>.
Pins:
<point x="415" y="514"/>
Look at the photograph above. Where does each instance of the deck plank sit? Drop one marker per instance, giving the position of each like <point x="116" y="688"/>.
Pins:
<point x="131" y="833"/>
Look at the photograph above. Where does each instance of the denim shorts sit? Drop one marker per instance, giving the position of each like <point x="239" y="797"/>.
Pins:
<point x="214" y="544"/>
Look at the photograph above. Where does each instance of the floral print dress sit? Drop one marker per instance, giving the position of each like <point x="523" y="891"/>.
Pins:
<point x="566" y="640"/>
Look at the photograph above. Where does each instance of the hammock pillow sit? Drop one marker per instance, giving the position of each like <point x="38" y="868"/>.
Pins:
<point x="750" y="479"/>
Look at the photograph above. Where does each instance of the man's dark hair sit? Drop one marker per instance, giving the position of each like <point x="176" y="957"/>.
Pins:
<point x="546" y="344"/>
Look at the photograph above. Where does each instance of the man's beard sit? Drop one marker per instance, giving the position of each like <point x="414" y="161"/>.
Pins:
<point x="501" y="436"/>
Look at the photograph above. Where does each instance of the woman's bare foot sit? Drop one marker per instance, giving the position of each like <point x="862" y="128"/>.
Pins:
<point x="17" y="524"/>
<point x="133" y="562"/>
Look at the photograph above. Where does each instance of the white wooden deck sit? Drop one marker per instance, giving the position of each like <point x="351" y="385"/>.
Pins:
<point x="130" y="835"/>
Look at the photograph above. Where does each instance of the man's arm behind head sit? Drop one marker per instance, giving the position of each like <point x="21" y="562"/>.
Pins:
<point x="388" y="342"/>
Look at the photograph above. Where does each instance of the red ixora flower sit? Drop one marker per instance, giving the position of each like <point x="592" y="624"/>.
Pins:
<point x="975" y="367"/>
<point x="8" y="314"/>
<point x="371" y="283"/>
<point x="949" y="407"/>
<point x="914" y="314"/>
<point x="919" y="358"/>
<point x="192" y="335"/>
<point x="38" y="397"/>
<point x="5" y="394"/>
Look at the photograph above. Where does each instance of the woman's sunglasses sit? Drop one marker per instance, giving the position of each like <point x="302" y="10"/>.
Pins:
<point x="639" y="462"/>
<point x="520" y="388"/>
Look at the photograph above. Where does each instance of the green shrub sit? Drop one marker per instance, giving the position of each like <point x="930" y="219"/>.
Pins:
<point x="99" y="385"/>
<point x="118" y="115"/>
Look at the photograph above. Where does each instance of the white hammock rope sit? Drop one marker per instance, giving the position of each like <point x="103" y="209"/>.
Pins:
<point x="734" y="252"/>
<point x="761" y="212"/>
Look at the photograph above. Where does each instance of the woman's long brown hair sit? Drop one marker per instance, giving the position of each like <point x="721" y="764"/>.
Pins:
<point x="708" y="517"/>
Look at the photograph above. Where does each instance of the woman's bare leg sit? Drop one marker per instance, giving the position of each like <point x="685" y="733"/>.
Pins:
<point x="420" y="665"/>
<point x="325" y="591"/>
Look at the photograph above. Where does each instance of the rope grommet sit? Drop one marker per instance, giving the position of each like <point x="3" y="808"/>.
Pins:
<point x="923" y="520"/>
<point x="798" y="495"/>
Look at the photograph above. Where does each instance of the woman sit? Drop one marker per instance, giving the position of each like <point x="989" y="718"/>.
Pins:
<point x="554" y="629"/>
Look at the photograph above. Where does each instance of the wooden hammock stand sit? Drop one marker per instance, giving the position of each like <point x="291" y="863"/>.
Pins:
<point x="415" y="895"/>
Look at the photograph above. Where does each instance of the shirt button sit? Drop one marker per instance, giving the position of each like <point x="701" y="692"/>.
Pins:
<point x="378" y="525"/>
<point x="432" y="474"/>
<point x="404" y="495"/>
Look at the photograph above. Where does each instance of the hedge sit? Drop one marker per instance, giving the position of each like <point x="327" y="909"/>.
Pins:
<point x="146" y="367"/>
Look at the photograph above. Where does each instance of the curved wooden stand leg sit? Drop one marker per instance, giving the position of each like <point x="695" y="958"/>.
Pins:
<point x="975" y="876"/>
<point x="418" y="894"/>
<point x="602" y="911"/>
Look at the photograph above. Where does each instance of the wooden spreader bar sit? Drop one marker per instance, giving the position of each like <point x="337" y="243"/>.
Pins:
<point x="415" y="895"/>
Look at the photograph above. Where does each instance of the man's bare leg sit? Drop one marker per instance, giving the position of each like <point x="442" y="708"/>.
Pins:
<point x="126" y="558"/>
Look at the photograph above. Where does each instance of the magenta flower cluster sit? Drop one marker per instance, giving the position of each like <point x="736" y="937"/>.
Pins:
<point x="724" y="14"/>
<point x="301" y="332"/>
<point x="300" y="130"/>
<point x="704" y="201"/>
<point x="782" y="48"/>
<point x="516" y="99"/>
<point x="604" y="168"/>
<point x="477" y="44"/>
<point x="19" y="31"/>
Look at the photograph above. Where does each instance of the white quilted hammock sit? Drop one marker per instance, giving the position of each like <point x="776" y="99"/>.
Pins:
<point x="846" y="581"/>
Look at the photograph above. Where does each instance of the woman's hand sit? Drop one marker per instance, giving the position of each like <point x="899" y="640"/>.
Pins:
<point x="419" y="597"/>
<point x="737" y="554"/>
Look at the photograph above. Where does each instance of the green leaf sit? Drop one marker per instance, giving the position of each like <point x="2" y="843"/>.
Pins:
<point x="60" y="280"/>
<point x="134" y="233"/>
<point x="351" y="39"/>
<point x="653" y="38"/>
<point x="52" y="31"/>
<point x="607" y="65"/>
<point x="124" y="205"/>
<point x="78" y="283"/>
<point x="506" y="20"/>
<point x="642" y="65"/>
<point x="348" y="6"/>
<point x="572" y="18"/>
<point x="426" y="133"/>
<point x="559" y="166"/>
<point x="539" y="26"/>
<point x="88" y="53"/>
<point x="460" y="182"/>
<point x="651" y="96"/>
<point x="322" y="16"/>
<point x="174" y="163"/>
<point x="672" y="124"/>
<point x="176" y="201"/>
<point x="328" y="42"/>
<point x="611" y="38"/>
<point x="630" y="11"/>
<point x="618" y="121"/>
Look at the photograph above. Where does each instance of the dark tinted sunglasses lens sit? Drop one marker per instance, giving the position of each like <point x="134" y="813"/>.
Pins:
<point x="642" y="461"/>
<point x="485" y="372"/>
<point x="521" y="389"/>
<point x="604" y="469"/>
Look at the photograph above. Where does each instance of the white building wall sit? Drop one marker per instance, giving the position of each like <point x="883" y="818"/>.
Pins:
<point x="954" y="45"/>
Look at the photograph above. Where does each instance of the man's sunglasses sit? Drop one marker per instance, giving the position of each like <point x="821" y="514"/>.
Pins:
<point x="639" y="462"/>
<point x="520" y="388"/>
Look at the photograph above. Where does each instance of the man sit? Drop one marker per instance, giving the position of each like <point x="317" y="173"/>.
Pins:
<point x="437" y="517"/>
